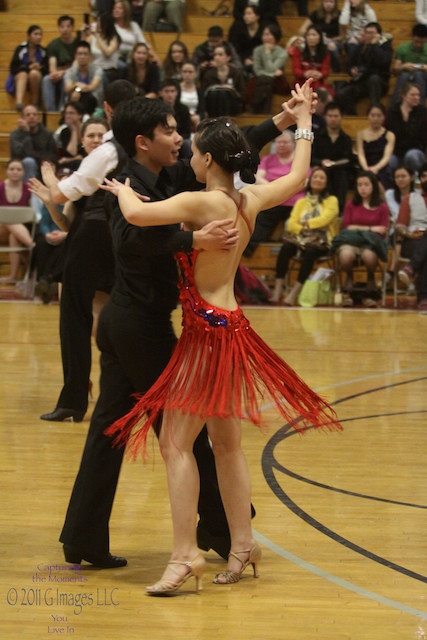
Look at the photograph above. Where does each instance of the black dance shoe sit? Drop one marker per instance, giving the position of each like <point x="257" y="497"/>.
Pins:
<point x="220" y="544"/>
<point x="60" y="414"/>
<point x="102" y="561"/>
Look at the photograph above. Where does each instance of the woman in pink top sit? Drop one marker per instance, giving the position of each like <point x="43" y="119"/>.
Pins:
<point x="367" y="216"/>
<point x="14" y="192"/>
<point x="273" y="166"/>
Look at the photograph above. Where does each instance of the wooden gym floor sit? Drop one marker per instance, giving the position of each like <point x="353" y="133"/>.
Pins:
<point x="342" y="517"/>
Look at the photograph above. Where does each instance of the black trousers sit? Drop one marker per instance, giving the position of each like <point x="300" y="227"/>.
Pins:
<point x="265" y="224"/>
<point x="308" y="258"/>
<point x="374" y="86"/>
<point x="89" y="266"/>
<point x="135" y="348"/>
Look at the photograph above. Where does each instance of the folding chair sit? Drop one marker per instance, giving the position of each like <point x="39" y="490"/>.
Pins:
<point x="20" y="215"/>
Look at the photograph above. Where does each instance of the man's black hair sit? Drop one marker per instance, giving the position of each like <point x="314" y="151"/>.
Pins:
<point x="138" y="117"/>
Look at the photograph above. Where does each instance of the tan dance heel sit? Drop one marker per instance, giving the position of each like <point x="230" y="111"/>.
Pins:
<point x="196" y="568"/>
<point x="229" y="577"/>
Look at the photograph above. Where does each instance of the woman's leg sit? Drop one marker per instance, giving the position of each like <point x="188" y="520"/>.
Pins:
<point x="34" y="85"/>
<point x="234" y="484"/>
<point x="21" y="233"/>
<point x="287" y="251"/>
<point x="346" y="260"/>
<point x="176" y="440"/>
<point x="21" y="80"/>
<point x="370" y="260"/>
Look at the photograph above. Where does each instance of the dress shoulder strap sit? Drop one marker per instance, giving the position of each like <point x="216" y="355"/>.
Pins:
<point x="240" y="211"/>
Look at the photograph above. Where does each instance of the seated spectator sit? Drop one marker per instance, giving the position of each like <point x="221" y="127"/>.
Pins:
<point x="271" y="167"/>
<point x="154" y="10"/>
<point x="364" y="225"/>
<point x="310" y="229"/>
<point x="268" y="9"/>
<point x="269" y="63"/>
<point x="14" y="192"/>
<point x="204" y="52"/>
<point x="370" y="73"/>
<point x="403" y="184"/>
<point x="143" y="73"/>
<point x="83" y="81"/>
<point x="375" y="145"/>
<point x="411" y="227"/>
<point x="169" y="93"/>
<point x="32" y="142"/>
<point x="191" y="95"/>
<point x="410" y="64"/>
<point x="408" y="122"/>
<point x="326" y="17"/>
<point x="333" y="150"/>
<point x="27" y="67"/>
<point x="60" y="54"/>
<point x="223" y="85"/>
<point x="245" y="34"/>
<point x="69" y="137"/>
<point x="313" y="61"/>
<point x="104" y="44"/>
<point x="177" y="55"/>
<point x="421" y="11"/>
<point x="355" y="15"/>
<point x="129" y="33"/>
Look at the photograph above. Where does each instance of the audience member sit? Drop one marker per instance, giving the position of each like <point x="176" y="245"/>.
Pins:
<point x="313" y="61"/>
<point x="326" y="17"/>
<point x="268" y="64"/>
<point x="410" y="64"/>
<point x="14" y="192"/>
<point x="375" y="145"/>
<point x="245" y="34"/>
<point x="27" y="67"/>
<point x="408" y="122"/>
<point x="60" y="53"/>
<point x="69" y="136"/>
<point x="268" y="9"/>
<point x="421" y="11"/>
<point x="333" y="150"/>
<point x="273" y="166"/>
<point x="370" y="73"/>
<point x="154" y="10"/>
<point x="310" y="229"/>
<point x="176" y="56"/>
<point x="403" y="184"/>
<point x="223" y="85"/>
<point x="204" y="52"/>
<point x="169" y="93"/>
<point x="191" y="95"/>
<point x="83" y="80"/>
<point x="104" y="44"/>
<point x="355" y="15"/>
<point x="31" y="142"/>
<point x="365" y="225"/>
<point x="411" y="225"/>
<point x="129" y="33"/>
<point x="143" y="73"/>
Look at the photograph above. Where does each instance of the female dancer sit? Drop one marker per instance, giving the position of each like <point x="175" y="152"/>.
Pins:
<point x="219" y="363"/>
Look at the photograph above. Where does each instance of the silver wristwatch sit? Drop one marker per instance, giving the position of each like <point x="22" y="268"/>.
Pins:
<point x="305" y="134"/>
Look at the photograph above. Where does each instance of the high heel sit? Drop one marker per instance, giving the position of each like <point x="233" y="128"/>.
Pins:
<point x="196" y="568"/>
<point x="232" y="576"/>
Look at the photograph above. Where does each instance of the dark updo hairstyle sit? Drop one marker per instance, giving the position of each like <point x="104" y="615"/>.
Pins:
<point x="229" y="148"/>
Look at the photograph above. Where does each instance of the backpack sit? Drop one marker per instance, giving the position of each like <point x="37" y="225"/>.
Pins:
<point x="249" y="289"/>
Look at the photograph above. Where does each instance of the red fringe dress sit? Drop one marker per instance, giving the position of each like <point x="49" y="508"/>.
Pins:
<point x="220" y="367"/>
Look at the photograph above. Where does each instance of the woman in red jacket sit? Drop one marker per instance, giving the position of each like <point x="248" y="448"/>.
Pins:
<point x="313" y="61"/>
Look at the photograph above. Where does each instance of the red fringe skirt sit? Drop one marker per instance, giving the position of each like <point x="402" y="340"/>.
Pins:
<point x="221" y="367"/>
